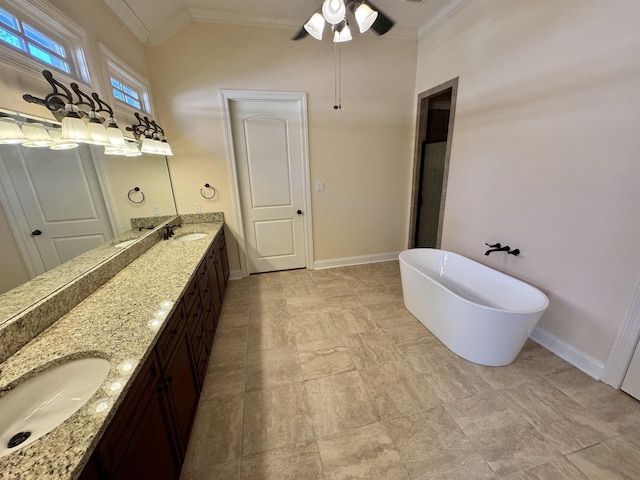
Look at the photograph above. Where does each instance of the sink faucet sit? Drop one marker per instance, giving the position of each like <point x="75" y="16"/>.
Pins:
<point x="168" y="233"/>
<point x="497" y="248"/>
<point x="150" y="227"/>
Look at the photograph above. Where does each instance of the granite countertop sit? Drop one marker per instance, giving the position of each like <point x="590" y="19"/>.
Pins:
<point x="119" y="322"/>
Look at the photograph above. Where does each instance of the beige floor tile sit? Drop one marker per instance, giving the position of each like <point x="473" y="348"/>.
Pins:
<point x="217" y="432"/>
<point x="337" y="286"/>
<point x="352" y="320"/>
<point x="375" y="295"/>
<point x="297" y="462"/>
<point x="371" y="348"/>
<point x="270" y="330"/>
<point x="541" y="360"/>
<point x="301" y="290"/>
<point x="231" y="335"/>
<point x="339" y="402"/>
<point x="312" y="327"/>
<point x="339" y="302"/>
<point x="234" y="316"/>
<point x="267" y="305"/>
<point x="229" y="347"/>
<point x="265" y="292"/>
<point x="506" y="376"/>
<point x="392" y="314"/>
<point x="433" y="447"/>
<point x="275" y="418"/>
<point x="615" y="459"/>
<point x="412" y="340"/>
<point x="500" y="434"/>
<point x="305" y="305"/>
<point x="557" y="469"/>
<point x="227" y="471"/>
<point x="364" y="453"/>
<point x="223" y="380"/>
<point x="450" y="376"/>
<point x="615" y="407"/>
<point x="264" y="279"/>
<point x="397" y="388"/>
<point x="324" y="357"/>
<point x="561" y="420"/>
<point x="272" y="367"/>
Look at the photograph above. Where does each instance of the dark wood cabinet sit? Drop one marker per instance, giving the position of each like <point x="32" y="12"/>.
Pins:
<point x="149" y="434"/>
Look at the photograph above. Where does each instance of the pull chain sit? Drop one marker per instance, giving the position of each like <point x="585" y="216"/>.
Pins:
<point x="337" y="89"/>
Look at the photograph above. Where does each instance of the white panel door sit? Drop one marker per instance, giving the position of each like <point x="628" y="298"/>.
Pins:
<point x="631" y="382"/>
<point x="61" y="199"/>
<point x="267" y="139"/>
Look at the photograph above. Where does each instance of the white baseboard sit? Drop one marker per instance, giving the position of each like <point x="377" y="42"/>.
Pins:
<point x="235" y="275"/>
<point x="346" y="261"/>
<point x="582" y="361"/>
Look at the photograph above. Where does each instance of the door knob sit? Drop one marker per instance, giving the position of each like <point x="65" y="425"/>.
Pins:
<point x="36" y="232"/>
<point x="299" y="212"/>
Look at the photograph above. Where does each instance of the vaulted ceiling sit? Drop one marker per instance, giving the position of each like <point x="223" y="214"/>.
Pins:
<point x="154" y="21"/>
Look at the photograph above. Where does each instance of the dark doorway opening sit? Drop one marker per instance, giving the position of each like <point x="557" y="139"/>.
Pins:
<point x="436" y="110"/>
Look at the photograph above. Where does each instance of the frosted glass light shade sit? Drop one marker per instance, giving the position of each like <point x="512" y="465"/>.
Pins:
<point x="98" y="134"/>
<point x="10" y="133"/>
<point x="365" y="16"/>
<point x="166" y="149"/>
<point x="60" y="144"/>
<point x="342" y="35"/>
<point x="134" y="151"/>
<point x="75" y="130"/>
<point x="333" y="11"/>
<point x="115" y="136"/>
<point x="116" y="150"/>
<point x="315" y="26"/>
<point x="149" y="145"/>
<point x="36" y="137"/>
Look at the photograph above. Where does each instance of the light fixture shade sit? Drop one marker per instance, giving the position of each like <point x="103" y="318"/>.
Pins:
<point x="134" y="151"/>
<point x="98" y="133"/>
<point x="10" y="133"/>
<point x="334" y="11"/>
<point x="75" y="130"/>
<point x="166" y="148"/>
<point x="149" y="145"/>
<point x="36" y="137"/>
<point x="315" y="26"/>
<point x="342" y="34"/>
<point x="115" y="136"/>
<point x="116" y="150"/>
<point x="60" y="144"/>
<point x="365" y="16"/>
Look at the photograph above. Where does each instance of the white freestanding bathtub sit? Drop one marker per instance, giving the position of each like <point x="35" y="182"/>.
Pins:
<point x="479" y="313"/>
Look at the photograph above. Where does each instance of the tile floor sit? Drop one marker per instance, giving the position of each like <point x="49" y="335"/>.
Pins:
<point x="324" y="375"/>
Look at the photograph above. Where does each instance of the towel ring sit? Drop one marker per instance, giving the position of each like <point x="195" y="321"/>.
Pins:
<point x="132" y="191"/>
<point x="206" y="185"/>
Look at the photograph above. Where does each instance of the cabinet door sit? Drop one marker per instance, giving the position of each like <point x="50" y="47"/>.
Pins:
<point x="224" y="258"/>
<point x="183" y="390"/>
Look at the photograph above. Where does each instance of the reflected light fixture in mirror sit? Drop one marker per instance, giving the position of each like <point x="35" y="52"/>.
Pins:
<point x="10" y="133"/>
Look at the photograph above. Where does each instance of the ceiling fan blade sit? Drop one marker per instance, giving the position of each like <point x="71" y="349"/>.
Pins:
<point x="383" y="23"/>
<point x="301" y="34"/>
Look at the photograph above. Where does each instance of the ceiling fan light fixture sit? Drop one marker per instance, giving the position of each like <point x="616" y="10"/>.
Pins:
<point x="365" y="17"/>
<point x="334" y="11"/>
<point x="315" y="26"/>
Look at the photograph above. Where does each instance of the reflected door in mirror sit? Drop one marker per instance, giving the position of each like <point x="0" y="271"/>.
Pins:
<point x="62" y="201"/>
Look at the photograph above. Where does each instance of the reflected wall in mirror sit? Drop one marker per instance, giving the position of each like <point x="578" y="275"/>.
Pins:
<point x="61" y="203"/>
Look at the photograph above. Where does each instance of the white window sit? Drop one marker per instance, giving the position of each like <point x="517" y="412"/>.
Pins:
<point x="130" y="90"/>
<point x="34" y="36"/>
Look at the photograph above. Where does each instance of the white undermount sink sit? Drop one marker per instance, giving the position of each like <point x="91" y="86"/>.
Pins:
<point x="37" y="406"/>
<point x="190" y="237"/>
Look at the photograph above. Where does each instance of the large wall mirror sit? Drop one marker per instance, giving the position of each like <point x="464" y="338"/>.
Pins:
<point x="61" y="204"/>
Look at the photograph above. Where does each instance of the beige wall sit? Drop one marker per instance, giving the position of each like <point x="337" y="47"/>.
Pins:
<point x="101" y="24"/>
<point x="545" y="151"/>
<point x="363" y="152"/>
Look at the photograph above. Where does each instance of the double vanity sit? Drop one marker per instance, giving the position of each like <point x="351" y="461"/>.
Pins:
<point x="143" y="339"/>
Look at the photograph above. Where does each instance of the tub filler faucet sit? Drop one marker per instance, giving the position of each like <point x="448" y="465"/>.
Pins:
<point x="496" y="247"/>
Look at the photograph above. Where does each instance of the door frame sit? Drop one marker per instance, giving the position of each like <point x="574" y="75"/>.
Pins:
<point x="18" y="220"/>
<point x="300" y="98"/>
<point x="421" y="129"/>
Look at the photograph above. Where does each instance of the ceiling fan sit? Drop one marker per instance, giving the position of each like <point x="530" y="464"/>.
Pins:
<point x="333" y="12"/>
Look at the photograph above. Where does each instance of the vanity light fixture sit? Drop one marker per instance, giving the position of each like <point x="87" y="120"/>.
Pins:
<point x="82" y="122"/>
<point x="10" y="133"/>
